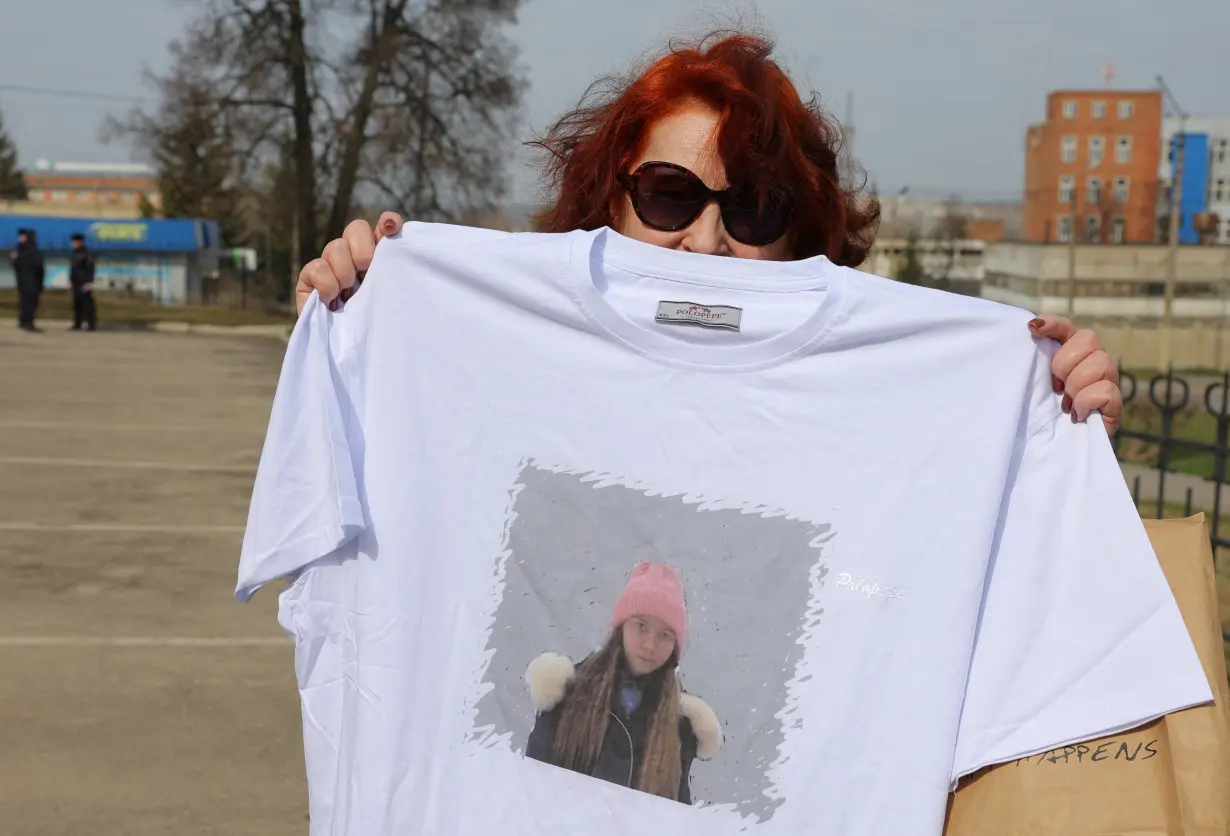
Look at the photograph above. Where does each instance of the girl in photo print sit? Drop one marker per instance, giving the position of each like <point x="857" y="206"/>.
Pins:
<point x="621" y="714"/>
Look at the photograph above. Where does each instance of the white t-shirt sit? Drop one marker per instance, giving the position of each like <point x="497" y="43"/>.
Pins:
<point x="885" y="555"/>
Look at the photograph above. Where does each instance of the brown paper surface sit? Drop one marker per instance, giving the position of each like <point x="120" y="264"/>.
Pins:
<point x="1168" y="778"/>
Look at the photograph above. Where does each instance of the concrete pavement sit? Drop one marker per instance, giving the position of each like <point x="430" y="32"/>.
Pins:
<point x="137" y="696"/>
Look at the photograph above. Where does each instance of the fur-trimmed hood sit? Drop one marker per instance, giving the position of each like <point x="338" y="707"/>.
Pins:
<point x="548" y="677"/>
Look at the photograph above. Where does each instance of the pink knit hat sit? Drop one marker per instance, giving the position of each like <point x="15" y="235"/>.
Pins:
<point x="654" y="589"/>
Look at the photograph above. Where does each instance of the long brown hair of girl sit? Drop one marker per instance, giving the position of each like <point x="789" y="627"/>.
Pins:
<point x="587" y="706"/>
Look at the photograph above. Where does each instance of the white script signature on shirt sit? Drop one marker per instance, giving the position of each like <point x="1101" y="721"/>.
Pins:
<point x="871" y="589"/>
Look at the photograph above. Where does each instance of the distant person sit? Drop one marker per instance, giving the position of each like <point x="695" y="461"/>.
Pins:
<point x="30" y="272"/>
<point x="81" y="277"/>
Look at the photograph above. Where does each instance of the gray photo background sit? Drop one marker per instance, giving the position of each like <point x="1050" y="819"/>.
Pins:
<point x="746" y="581"/>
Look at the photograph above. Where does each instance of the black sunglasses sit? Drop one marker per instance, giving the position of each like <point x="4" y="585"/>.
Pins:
<point x="668" y="197"/>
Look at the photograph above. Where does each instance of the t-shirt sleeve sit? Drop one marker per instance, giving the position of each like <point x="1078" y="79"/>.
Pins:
<point x="305" y="500"/>
<point x="1079" y="634"/>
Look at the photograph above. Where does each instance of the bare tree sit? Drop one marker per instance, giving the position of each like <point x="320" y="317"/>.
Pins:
<point x="950" y="233"/>
<point x="410" y="101"/>
<point x="439" y="125"/>
<point x="193" y="151"/>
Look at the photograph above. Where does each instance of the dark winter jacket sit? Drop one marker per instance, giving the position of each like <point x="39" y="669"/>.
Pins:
<point x="28" y="267"/>
<point x="81" y="272"/>
<point x="549" y="677"/>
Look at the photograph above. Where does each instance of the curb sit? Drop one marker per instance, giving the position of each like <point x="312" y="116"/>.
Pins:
<point x="279" y="332"/>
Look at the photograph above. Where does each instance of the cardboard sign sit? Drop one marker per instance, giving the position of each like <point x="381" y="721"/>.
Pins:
<point x="1167" y="778"/>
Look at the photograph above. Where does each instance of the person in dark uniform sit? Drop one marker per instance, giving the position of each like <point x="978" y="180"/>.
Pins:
<point x="81" y="277"/>
<point x="30" y="273"/>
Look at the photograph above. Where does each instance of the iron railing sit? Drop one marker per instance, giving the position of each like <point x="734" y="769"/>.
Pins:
<point x="1169" y="398"/>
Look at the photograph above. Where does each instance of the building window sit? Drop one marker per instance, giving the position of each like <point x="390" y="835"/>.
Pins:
<point x="1099" y="110"/>
<point x="1093" y="191"/>
<point x="1219" y="190"/>
<point x="1221" y="151"/>
<point x="1121" y="190"/>
<point x="1065" y="228"/>
<point x="1126" y="109"/>
<point x="1118" y="230"/>
<point x="1067" y="189"/>
<point x="1069" y="110"/>
<point x="1123" y="150"/>
<point x="1093" y="226"/>
<point x="1068" y="149"/>
<point x="59" y="196"/>
<point x="1097" y="149"/>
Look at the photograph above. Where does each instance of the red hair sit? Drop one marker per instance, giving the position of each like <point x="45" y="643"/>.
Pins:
<point x="767" y="138"/>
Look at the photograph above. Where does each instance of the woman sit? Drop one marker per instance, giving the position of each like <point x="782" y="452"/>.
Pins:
<point x="621" y="715"/>
<point x="651" y="158"/>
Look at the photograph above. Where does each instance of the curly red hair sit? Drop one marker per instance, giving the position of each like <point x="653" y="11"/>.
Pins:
<point x="768" y="138"/>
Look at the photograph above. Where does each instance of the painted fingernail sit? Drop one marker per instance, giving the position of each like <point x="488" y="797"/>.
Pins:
<point x="333" y="305"/>
<point x="1035" y="324"/>
<point x="1067" y="403"/>
<point x="386" y="225"/>
<point x="1057" y="385"/>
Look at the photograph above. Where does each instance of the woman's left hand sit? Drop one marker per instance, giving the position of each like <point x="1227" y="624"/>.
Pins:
<point x="1083" y="371"/>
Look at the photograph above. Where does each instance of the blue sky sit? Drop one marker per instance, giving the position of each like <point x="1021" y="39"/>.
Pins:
<point x="943" y="90"/>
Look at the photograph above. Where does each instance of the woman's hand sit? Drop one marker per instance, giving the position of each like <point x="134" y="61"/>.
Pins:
<point x="1083" y="371"/>
<point x="344" y="261"/>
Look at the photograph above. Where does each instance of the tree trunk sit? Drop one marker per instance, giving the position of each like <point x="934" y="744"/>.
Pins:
<point x="356" y="127"/>
<point x="305" y="167"/>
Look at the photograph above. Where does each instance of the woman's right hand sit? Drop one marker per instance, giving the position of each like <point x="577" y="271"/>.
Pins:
<point x="343" y="261"/>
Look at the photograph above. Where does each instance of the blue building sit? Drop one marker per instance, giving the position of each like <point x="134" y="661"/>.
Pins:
<point x="1194" y="198"/>
<point x="1206" y="173"/>
<point x="167" y="259"/>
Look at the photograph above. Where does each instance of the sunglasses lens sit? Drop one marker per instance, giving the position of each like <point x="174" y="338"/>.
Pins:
<point x="754" y="224"/>
<point x="669" y="198"/>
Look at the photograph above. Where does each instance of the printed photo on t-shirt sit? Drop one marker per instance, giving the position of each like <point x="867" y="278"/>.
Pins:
<point x="650" y="641"/>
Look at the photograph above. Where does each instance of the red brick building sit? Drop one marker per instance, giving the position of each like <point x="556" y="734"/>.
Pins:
<point x="1094" y="161"/>
<point x="91" y="185"/>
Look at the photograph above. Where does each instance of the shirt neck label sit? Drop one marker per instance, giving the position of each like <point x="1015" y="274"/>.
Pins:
<point x="707" y="316"/>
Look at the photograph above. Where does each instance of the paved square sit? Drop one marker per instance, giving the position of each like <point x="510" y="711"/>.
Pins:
<point x="137" y="696"/>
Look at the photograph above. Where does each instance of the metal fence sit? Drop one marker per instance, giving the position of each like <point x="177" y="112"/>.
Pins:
<point x="1160" y="408"/>
<point x="1154" y="415"/>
